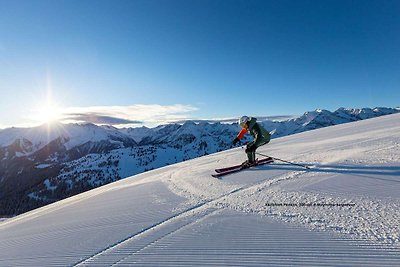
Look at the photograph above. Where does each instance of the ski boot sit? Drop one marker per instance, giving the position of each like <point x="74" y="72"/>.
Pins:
<point x="248" y="164"/>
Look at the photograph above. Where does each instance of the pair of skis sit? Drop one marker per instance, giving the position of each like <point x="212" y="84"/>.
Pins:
<point x="225" y="171"/>
<point x="237" y="168"/>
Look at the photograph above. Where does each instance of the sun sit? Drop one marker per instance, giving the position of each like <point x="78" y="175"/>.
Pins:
<point x="47" y="113"/>
<point x="45" y="109"/>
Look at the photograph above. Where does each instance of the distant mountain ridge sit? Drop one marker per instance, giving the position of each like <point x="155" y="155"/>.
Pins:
<point x="44" y="164"/>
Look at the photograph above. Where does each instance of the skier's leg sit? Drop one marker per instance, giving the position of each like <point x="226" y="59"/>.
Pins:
<point x="251" y="152"/>
<point x="251" y="156"/>
<point x="258" y="145"/>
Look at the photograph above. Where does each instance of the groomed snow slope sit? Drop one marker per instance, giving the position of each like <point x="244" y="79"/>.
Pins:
<point x="345" y="211"/>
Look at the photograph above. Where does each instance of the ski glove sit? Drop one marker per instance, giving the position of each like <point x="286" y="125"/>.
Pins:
<point x="235" y="141"/>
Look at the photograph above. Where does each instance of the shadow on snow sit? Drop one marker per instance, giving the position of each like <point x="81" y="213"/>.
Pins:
<point x="371" y="172"/>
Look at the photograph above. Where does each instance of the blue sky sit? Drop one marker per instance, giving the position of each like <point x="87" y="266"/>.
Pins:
<point x="164" y="60"/>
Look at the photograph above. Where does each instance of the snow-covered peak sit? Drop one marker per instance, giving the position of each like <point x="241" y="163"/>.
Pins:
<point x="72" y="134"/>
<point x="137" y="134"/>
<point x="39" y="136"/>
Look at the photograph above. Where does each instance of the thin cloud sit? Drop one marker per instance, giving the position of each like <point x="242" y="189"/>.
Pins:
<point x="128" y="115"/>
<point x="100" y="119"/>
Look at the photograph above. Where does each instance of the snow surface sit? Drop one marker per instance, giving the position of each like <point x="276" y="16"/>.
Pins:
<point x="343" y="212"/>
<point x="43" y="166"/>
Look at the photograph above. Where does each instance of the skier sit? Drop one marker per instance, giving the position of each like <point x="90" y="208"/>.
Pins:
<point x="261" y="137"/>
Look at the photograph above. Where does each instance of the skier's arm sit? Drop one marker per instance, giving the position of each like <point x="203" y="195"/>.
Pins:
<point x="241" y="133"/>
<point x="239" y="136"/>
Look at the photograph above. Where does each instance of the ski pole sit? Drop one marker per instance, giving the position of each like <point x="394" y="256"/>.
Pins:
<point x="304" y="166"/>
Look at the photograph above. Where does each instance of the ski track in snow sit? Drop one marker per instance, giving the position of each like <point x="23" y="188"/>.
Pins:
<point x="342" y="212"/>
<point x="265" y="243"/>
<point x="202" y="208"/>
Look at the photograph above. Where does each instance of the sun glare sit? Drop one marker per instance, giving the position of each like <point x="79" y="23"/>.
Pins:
<point x="46" y="109"/>
<point x="47" y="114"/>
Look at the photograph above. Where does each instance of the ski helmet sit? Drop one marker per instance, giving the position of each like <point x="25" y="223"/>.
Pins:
<point x="243" y="120"/>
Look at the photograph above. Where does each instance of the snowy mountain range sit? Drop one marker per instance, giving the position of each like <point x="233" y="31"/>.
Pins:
<point x="44" y="164"/>
<point x="342" y="211"/>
